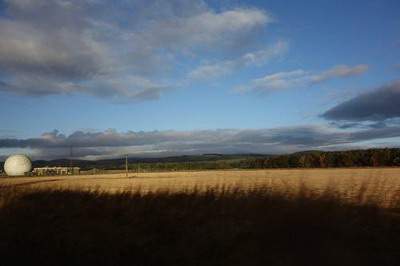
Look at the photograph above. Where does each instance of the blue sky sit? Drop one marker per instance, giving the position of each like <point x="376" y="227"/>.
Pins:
<point x="156" y="78"/>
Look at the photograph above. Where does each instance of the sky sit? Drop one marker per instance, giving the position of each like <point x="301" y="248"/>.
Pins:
<point x="158" y="78"/>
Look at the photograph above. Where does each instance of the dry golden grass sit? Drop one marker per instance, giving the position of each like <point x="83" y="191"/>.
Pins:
<point x="378" y="184"/>
<point x="212" y="227"/>
<point x="274" y="217"/>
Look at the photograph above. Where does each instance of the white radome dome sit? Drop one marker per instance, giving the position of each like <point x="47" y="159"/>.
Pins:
<point x="17" y="165"/>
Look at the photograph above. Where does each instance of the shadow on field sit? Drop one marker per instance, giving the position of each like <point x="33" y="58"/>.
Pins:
<point x="216" y="227"/>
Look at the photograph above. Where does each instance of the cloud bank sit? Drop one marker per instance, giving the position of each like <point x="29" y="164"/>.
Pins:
<point x="110" y="143"/>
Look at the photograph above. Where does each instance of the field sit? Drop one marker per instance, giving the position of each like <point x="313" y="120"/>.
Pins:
<point x="381" y="184"/>
<point x="275" y="217"/>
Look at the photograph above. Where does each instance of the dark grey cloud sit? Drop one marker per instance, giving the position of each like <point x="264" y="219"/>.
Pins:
<point x="378" y="105"/>
<point x="49" y="38"/>
<point x="345" y="125"/>
<point x="119" y="50"/>
<point x="111" y="143"/>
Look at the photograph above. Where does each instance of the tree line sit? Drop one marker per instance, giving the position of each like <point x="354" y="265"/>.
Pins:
<point x="309" y="159"/>
<point x="321" y="159"/>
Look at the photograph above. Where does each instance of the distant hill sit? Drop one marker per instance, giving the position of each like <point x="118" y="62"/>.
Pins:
<point x="120" y="163"/>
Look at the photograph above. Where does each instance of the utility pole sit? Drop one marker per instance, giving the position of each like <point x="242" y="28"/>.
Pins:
<point x="70" y="160"/>
<point x="126" y="165"/>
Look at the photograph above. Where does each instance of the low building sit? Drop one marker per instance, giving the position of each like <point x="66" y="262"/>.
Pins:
<point x="45" y="171"/>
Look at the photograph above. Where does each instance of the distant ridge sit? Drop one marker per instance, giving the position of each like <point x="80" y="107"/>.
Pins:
<point x="303" y="159"/>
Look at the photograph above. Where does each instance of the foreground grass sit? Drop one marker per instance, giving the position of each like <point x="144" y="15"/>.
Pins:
<point x="213" y="227"/>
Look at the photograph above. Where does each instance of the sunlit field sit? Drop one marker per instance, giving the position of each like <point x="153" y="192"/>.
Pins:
<point x="379" y="184"/>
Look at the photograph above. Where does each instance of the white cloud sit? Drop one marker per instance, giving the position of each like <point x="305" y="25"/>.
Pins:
<point x="282" y="80"/>
<point x="340" y="71"/>
<point x="300" y="78"/>
<point x="203" y="29"/>
<point x="221" y="68"/>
